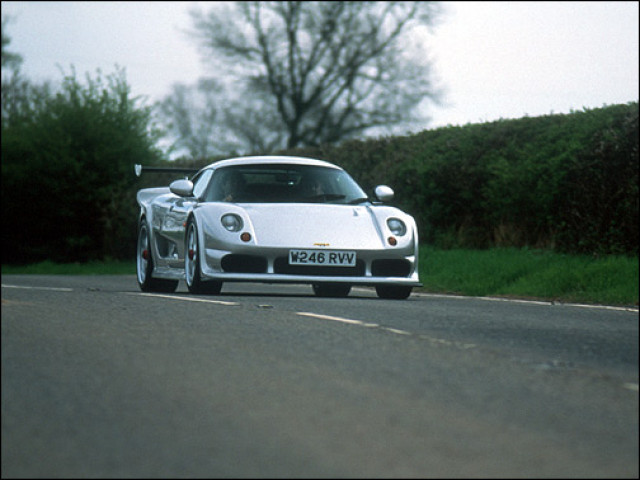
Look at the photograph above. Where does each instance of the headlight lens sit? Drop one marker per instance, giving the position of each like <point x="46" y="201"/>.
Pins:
<point x="232" y="222"/>
<point x="397" y="226"/>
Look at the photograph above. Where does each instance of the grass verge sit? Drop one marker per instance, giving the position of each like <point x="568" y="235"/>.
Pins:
<point x="508" y="272"/>
<point x="524" y="273"/>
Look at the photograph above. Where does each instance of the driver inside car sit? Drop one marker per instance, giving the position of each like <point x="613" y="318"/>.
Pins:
<point x="311" y="187"/>
<point x="228" y="187"/>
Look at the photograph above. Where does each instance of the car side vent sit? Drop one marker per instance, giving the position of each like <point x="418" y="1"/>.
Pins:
<point x="235" y="263"/>
<point x="390" y="268"/>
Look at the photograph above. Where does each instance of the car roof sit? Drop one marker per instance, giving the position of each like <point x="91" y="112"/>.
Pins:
<point x="271" y="159"/>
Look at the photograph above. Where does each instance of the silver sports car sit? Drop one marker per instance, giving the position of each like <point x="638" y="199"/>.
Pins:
<point x="274" y="219"/>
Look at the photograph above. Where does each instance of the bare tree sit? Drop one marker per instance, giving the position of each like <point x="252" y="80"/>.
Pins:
<point x="20" y="97"/>
<point x="319" y="72"/>
<point x="10" y="60"/>
<point x="193" y="119"/>
<point x="202" y="121"/>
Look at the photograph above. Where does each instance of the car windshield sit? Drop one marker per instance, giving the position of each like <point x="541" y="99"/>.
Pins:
<point x="283" y="183"/>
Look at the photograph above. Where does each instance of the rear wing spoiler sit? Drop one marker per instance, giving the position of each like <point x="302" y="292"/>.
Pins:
<point x="139" y="169"/>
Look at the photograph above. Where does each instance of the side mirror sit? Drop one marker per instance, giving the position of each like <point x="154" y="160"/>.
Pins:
<point x="183" y="188"/>
<point x="384" y="193"/>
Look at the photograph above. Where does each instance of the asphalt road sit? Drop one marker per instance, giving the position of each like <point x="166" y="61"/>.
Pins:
<point x="100" y="381"/>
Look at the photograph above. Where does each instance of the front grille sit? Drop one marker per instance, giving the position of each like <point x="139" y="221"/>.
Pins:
<point x="236" y="263"/>
<point x="281" y="265"/>
<point x="390" y="268"/>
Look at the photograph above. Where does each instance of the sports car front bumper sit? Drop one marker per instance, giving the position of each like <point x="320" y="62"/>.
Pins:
<point x="271" y="266"/>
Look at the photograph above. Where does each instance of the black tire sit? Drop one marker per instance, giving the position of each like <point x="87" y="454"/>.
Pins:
<point x="144" y="265"/>
<point x="331" y="289"/>
<point x="393" y="292"/>
<point x="192" y="272"/>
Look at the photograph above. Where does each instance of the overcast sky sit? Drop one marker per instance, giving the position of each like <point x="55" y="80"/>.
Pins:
<point x="494" y="59"/>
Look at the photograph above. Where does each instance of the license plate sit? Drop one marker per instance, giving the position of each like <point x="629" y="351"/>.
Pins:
<point x="327" y="258"/>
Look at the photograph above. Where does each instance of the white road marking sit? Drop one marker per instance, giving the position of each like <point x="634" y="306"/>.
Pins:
<point x="527" y="302"/>
<point x="52" y="289"/>
<point x="329" y="317"/>
<point x="629" y="386"/>
<point x="187" y="299"/>
<point x="601" y="307"/>
<point x="339" y="319"/>
<point x="441" y="341"/>
<point x="395" y="330"/>
<point x="432" y="340"/>
<point x="417" y="294"/>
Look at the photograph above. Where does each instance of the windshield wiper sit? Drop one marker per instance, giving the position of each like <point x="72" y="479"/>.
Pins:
<point x="358" y="200"/>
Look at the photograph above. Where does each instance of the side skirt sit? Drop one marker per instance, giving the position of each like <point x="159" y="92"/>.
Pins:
<point x="169" y="273"/>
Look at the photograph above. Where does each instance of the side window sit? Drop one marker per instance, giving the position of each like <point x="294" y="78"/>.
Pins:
<point x="201" y="183"/>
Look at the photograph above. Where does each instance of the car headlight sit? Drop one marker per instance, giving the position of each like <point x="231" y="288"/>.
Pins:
<point x="397" y="226"/>
<point x="232" y="222"/>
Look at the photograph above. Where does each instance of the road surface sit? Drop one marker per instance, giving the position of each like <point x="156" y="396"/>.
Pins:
<point x="268" y="381"/>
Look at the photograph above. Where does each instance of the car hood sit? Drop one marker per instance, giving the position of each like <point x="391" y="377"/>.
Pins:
<point x="309" y="226"/>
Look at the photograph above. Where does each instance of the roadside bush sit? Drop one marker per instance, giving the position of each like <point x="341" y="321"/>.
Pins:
<point x="67" y="165"/>
<point x="567" y="182"/>
<point x="599" y="206"/>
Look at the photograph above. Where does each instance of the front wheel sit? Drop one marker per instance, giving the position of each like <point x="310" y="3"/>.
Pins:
<point x="192" y="273"/>
<point x="393" y="292"/>
<point x="144" y="265"/>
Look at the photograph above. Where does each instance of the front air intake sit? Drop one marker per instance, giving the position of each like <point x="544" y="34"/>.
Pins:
<point x="236" y="263"/>
<point x="391" y="268"/>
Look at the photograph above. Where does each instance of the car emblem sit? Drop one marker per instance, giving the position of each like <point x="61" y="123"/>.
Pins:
<point x="320" y="244"/>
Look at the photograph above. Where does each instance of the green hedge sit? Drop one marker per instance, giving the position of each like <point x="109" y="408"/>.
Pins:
<point x="559" y="182"/>
<point x="67" y="172"/>
<point x="566" y="182"/>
